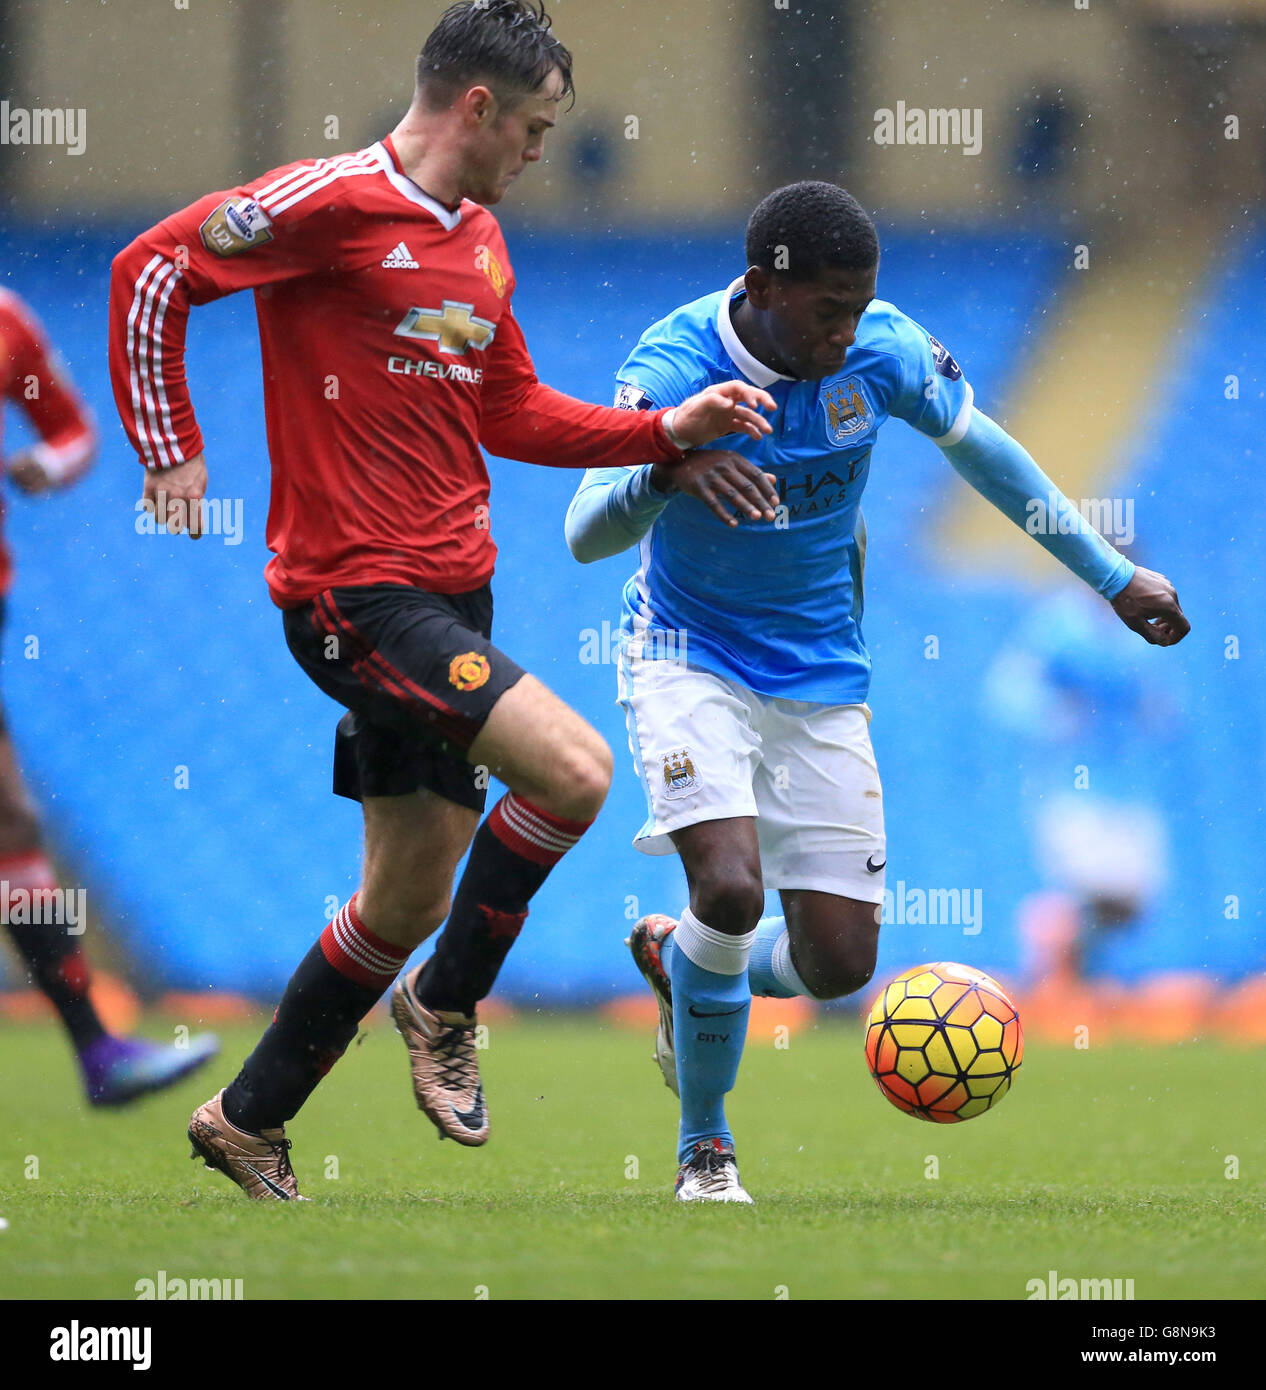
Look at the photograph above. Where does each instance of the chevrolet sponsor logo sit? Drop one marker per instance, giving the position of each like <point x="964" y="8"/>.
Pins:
<point x="438" y="371"/>
<point x="454" y="327"/>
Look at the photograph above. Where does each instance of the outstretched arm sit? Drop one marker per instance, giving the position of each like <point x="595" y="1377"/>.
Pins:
<point x="615" y="507"/>
<point x="525" y="419"/>
<point x="1004" y="473"/>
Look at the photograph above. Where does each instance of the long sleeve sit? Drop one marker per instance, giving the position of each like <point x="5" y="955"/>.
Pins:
<point x="524" y="419"/>
<point x="37" y="384"/>
<point x="1004" y="473"/>
<point x="612" y="510"/>
<point x="272" y="230"/>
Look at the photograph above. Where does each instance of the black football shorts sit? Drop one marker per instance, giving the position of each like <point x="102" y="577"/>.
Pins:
<point x="418" y="676"/>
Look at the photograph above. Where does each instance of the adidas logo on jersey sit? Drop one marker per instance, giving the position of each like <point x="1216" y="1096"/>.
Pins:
<point x="399" y="258"/>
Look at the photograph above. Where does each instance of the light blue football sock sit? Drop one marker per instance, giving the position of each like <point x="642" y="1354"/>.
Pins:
<point x="761" y="979"/>
<point x="769" y="970"/>
<point x="711" y="1002"/>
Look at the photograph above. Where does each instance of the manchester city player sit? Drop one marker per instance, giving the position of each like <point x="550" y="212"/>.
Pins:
<point x="743" y="671"/>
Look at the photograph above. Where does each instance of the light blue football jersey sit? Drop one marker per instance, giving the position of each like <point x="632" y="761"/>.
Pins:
<point x="777" y="606"/>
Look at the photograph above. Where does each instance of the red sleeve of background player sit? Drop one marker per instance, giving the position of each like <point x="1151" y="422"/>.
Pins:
<point x="523" y="419"/>
<point x="277" y="228"/>
<point x="37" y="384"/>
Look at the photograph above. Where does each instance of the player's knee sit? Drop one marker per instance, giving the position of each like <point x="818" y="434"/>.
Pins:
<point x="404" y="916"/>
<point x="604" y="766"/>
<point x="729" y="902"/>
<point x="842" y="976"/>
<point x="580" y="780"/>
<point x="841" y="962"/>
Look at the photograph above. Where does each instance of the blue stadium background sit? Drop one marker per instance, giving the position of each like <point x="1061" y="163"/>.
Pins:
<point x="155" y="653"/>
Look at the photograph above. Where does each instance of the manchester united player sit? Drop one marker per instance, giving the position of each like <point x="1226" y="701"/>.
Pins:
<point x="114" y="1069"/>
<point x="383" y="290"/>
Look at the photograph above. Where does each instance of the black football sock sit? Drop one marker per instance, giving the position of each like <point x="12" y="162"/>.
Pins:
<point x="59" y="969"/>
<point x="53" y="959"/>
<point x="510" y="858"/>
<point x="335" y="986"/>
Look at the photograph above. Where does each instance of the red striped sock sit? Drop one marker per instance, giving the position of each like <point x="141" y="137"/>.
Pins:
<point x="353" y="950"/>
<point x="535" y="835"/>
<point x="510" y="858"/>
<point x="29" y="870"/>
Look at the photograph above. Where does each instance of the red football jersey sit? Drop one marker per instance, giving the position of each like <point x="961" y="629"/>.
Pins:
<point x="31" y="378"/>
<point x="390" y="354"/>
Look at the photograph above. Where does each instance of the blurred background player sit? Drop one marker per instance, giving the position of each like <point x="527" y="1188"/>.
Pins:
<point x="115" y="1070"/>
<point x="1070" y="686"/>
<point x="744" y="672"/>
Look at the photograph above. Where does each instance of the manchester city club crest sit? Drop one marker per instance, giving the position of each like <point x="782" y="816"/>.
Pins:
<point x="847" y="412"/>
<point x="680" y="777"/>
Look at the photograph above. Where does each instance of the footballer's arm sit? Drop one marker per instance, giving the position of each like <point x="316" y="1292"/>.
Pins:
<point x="221" y="243"/>
<point x="1005" y="474"/>
<point x="524" y="419"/>
<point x="615" y="507"/>
<point x="66" y="428"/>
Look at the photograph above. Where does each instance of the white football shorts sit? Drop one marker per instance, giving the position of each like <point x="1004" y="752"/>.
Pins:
<point x="707" y="748"/>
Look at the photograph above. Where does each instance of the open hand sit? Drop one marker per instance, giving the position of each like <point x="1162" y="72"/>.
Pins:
<point x="732" y="407"/>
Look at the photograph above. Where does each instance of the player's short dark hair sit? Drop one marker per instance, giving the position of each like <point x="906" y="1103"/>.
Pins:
<point x="508" y="43"/>
<point x="805" y="228"/>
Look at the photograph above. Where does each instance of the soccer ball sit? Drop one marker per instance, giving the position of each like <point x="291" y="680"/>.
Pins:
<point x="943" y="1042"/>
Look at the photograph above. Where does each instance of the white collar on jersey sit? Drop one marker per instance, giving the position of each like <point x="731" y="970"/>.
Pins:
<point x="448" y="220"/>
<point x="756" y="372"/>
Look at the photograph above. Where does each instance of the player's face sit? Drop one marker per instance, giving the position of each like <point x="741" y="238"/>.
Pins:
<point x="515" y="138"/>
<point x="812" y="324"/>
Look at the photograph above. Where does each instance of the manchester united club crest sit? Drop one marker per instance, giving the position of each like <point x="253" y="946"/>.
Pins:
<point x="680" y="777"/>
<point x="491" y="267"/>
<point x="847" y="413"/>
<point x="468" y="671"/>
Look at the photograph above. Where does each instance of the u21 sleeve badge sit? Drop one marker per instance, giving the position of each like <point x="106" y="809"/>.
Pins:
<point x="237" y="225"/>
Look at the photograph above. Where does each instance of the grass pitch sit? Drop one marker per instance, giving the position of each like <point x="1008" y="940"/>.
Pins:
<point x="1108" y="1163"/>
